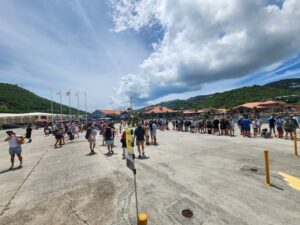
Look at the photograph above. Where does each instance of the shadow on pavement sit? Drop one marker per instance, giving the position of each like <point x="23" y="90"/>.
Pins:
<point x="9" y="170"/>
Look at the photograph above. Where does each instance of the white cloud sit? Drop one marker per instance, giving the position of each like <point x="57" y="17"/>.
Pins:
<point x="205" y="41"/>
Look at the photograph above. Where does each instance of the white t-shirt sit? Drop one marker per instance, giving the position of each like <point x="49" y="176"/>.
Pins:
<point x="13" y="142"/>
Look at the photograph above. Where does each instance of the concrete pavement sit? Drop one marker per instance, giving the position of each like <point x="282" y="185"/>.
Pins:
<point x="207" y="174"/>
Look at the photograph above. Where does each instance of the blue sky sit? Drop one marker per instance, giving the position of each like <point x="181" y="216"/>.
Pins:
<point x="154" y="50"/>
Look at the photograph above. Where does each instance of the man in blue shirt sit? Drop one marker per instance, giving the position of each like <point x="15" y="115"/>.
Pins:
<point x="279" y="125"/>
<point x="246" y="126"/>
<point x="139" y="136"/>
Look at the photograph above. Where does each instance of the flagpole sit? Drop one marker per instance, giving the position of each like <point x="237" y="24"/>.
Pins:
<point x="78" y="105"/>
<point x="85" y="107"/>
<point x="60" y="105"/>
<point x="70" y="104"/>
<point x="51" y="107"/>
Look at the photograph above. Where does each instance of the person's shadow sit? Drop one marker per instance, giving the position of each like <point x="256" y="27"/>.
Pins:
<point x="9" y="170"/>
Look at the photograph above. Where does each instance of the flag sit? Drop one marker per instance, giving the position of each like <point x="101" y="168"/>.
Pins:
<point x="68" y="93"/>
<point x="58" y="93"/>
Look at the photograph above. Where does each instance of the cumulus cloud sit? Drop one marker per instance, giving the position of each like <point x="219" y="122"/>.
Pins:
<point x="205" y="41"/>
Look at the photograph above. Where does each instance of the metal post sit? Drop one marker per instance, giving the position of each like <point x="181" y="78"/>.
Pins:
<point x="78" y="106"/>
<point x="136" y="199"/>
<point x="85" y="107"/>
<point x="60" y="105"/>
<point x="51" y="107"/>
<point x="295" y="142"/>
<point x="70" y="105"/>
<point x="267" y="168"/>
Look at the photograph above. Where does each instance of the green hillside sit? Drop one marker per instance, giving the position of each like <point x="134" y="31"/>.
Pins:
<point x="291" y="84"/>
<point x="240" y="96"/>
<point x="14" y="99"/>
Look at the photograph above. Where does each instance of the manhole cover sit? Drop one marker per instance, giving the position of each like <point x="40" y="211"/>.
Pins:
<point x="187" y="213"/>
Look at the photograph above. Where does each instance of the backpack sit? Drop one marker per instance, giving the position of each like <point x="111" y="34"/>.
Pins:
<point x="88" y="132"/>
<point x="109" y="134"/>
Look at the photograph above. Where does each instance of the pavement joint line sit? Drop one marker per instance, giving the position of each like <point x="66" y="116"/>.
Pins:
<point x="75" y="212"/>
<point x="19" y="188"/>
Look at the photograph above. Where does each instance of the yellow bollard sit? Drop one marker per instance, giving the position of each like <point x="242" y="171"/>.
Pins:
<point x="295" y="143"/>
<point x="267" y="168"/>
<point x="142" y="219"/>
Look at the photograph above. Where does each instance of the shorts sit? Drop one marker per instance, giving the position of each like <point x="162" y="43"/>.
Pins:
<point x="15" y="150"/>
<point x="279" y="129"/>
<point x="109" y="142"/>
<point x="153" y="134"/>
<point x="124" y="144"/>
<point x="92" y="140"/>
<point x="246" y="129"/>
<point x="139" y="142"/>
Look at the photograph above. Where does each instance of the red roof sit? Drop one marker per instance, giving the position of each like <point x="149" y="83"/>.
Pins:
<point x="259" y="105"/>
<point x="189" y="111"/>
<point x="159" y="109"/>
<point x="39" y="120"/>
<point x="111" y="111"/>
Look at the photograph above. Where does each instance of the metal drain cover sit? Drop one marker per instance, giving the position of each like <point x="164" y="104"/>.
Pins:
<point x="187" y="212"/>
<point x="253" y="169"/>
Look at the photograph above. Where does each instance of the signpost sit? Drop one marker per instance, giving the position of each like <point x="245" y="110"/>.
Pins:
<point x="129" y="154"/>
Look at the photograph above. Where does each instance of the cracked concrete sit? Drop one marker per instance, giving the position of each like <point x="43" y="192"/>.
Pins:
<point x="64" y="186"/>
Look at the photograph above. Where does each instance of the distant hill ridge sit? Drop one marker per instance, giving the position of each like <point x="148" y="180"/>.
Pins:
<point x="229" y="99"/>
<point x="14" y="99"/>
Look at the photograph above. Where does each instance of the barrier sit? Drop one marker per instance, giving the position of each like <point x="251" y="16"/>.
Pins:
<point x="295" y="143"/>
<point x="267" y="166"/>
<point x="142" y="219"/>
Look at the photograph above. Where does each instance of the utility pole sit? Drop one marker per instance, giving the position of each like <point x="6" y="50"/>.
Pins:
<point x="51" y="108"/>
<point x="85" y="107"/>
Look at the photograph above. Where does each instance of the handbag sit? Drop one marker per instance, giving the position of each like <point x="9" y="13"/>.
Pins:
<point x="21" y="140"/>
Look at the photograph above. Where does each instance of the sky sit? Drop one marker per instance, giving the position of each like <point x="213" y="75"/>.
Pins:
<point x="152" y="50"/>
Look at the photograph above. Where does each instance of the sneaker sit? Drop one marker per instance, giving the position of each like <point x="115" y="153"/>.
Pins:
<point x="140" y="157"/>
<point x="11" y="167"/>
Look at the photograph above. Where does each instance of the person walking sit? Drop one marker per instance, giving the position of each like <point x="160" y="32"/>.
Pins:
<point x="124" y="143"/>
<point x="92" y="139"/>
<point x="255" y="127"/>
<point x="109" y="138"/>
<point x="246" y="126"/>
<point x="14" y="147"/>
<point x="288" y="128"/>
<point x="28" y="133"/>
<point x="272" y="123"/>
<point x="279" y="126"/>
<point x="153" y="133"/>
<point x="139" y="137"/>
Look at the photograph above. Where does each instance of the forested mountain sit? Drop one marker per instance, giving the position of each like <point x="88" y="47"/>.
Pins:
<point x="289" y="88"/>
<point x="14" y="99"/>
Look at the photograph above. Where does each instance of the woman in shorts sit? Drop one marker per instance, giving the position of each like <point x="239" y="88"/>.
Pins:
<point x="288" y="128"/>
<point x="14" y="147"/>
<point x="124" y="144"/>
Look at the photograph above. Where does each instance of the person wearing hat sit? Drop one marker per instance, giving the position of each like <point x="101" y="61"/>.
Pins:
<point x="14" y="147"/>
<point x="139" y="136"/>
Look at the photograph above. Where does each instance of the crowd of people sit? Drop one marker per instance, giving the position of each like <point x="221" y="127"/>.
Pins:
<point x="278" y="126"/>
<point x="144" y="132"/>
